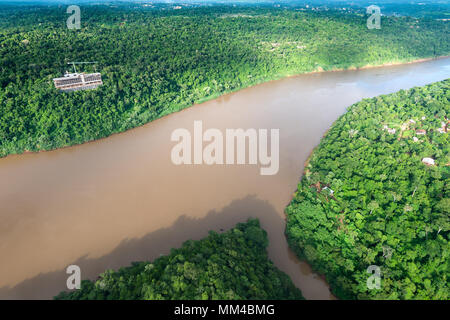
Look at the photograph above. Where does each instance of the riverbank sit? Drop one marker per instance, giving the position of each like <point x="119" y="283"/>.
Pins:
<point x="224" y="94"/>
<point x="368" y="216"/>
<point x="364" y="68"/>
<point x="104" y="204"/>
<point x="188" y="59"/>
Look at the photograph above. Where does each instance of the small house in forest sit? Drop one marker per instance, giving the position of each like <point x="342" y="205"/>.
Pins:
<point x="391" y="130"/>
<point x="421" y="132"/>
<point x="428" y="161"/>
<point x="443" y="128"/>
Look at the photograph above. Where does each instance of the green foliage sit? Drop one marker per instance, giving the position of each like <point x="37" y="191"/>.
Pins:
<point x="368" y="199"/>
<point x="231" y="265"/>
<point x="155" y="62"/>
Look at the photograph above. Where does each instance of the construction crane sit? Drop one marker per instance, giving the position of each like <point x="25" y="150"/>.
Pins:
<point x="74" y="63"/>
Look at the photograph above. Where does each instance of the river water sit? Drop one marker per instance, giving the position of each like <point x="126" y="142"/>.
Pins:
<point x="121" y="199"/>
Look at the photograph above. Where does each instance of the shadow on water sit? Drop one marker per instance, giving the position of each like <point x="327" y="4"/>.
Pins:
<point x="154" y="244"/>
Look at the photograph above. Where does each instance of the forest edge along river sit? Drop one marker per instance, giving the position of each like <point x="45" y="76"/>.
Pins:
<point x="104" y="204"/>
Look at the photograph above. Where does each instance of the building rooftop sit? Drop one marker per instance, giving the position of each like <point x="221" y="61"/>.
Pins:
<point x="78" y="81"/>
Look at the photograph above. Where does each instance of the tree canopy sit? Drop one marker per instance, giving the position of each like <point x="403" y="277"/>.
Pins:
<point x="230" y="265"/>
<point x="154" y="61"/>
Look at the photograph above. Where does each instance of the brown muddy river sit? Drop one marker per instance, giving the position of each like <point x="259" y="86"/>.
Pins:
<point x="121" y="199"/>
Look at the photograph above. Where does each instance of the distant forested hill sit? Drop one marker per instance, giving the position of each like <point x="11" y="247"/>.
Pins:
<point x="156" y="60"/>
<point x="376" y="193"/>
<point x="231" y="265"/>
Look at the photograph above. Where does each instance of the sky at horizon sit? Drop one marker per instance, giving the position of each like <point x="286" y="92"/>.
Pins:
<point x="234" y="1"/>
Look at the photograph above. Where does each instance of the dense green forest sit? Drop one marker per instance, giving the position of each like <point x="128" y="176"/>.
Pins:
<point x="230" y="265"/>
<point x="371" y="195"/>
<point x="155" y="61"/>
